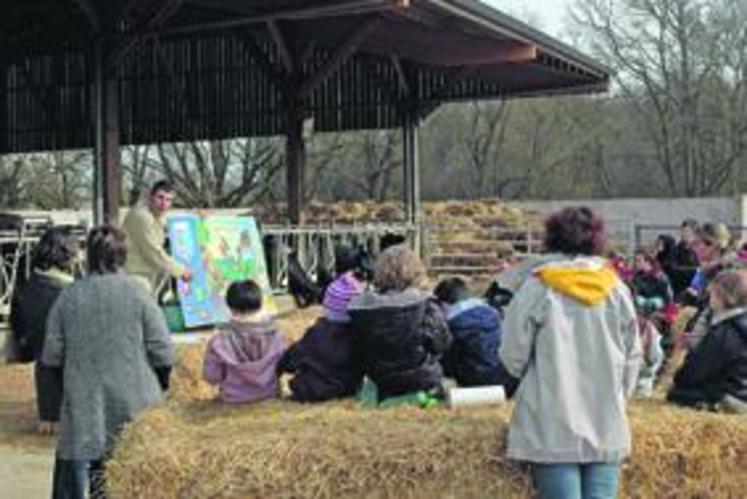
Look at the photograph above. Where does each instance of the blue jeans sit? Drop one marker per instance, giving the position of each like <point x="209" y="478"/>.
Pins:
<point x="72" y="478"/>
<point x="576" y="481"/>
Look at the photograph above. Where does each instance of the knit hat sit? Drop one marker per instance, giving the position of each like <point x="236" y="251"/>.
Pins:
<point x="338" y="296"/>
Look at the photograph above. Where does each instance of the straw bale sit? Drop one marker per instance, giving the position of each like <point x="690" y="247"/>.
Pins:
<point x="199" y="448"/>
<point x="281" y="449"/>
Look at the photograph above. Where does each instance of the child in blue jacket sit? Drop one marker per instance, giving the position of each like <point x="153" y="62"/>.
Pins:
<point x="472" y="359"/>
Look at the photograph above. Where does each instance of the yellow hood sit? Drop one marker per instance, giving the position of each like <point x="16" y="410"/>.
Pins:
<point x="590" y="286"/>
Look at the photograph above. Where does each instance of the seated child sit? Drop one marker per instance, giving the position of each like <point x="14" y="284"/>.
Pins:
<point x="654" y="301"/>
<point x="650" y="286"/>
<point x="323" y="361"/>
<point x="242" y="357"/>
<point x="400" y="332"/>
<point x="715" y="371"/>
<point x="472" y="358"/>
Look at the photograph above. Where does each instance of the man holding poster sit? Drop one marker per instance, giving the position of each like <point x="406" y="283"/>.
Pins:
<point x="145" y="225"/>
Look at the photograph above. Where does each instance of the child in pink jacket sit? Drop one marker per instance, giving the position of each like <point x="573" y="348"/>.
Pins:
<point x="242" y="356"/>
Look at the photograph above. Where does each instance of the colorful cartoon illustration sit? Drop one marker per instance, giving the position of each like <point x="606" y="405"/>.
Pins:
<point x="220" y="250"/>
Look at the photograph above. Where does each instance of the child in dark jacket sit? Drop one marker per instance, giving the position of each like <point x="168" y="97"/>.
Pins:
<point x="400" y="332"/>
<point x="242" y="357"/>
<point x="715" y="371"/>
<point x="650" y="285"/>
<point x="475" y="326"/>
<point x="323" y="362"/>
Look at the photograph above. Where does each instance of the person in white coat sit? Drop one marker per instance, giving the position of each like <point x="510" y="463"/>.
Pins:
<point x="571" y="337"/>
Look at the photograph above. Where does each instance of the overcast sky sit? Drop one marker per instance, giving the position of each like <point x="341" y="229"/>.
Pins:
<point x="550" y="14"/>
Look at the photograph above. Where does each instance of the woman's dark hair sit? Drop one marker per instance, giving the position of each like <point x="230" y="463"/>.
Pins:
<point x="451" y="290"/>
<point x="56" y="248"/>
<point x="691" y="223"/>
<point x="357" y="260"/>
<point x="244" y="296"/>
<point x="106" y="249"/>
<point x="574" y="231"/>
<point x="668" y="244"/>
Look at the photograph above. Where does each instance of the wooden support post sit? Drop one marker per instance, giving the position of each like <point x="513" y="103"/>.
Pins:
<point x="295" y="159"/>
<point x="411" y="168"/>
<point x="4" y="132"/>
<point x="107" y="172"/>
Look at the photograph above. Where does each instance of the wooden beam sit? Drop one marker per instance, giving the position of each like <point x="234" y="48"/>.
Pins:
<point x="90" y="12"/>
<point x="308" y="52"/>
<point x="281" y="42"/>
<point x="404" y="82"/>
<point x="444" y="48"/>
<point x="336" y="9"/>
<point x="107" y="171"/>
<point x="152" y="20"/>
<point x="258" y="54"/>
<point x="295" y="159"/>
<point x="410" y="163"/>
<point x="129" y="6"/>
<point x="346" y="49"/>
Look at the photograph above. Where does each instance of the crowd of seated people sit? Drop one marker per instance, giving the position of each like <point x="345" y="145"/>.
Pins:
<point x="564" y="322"/>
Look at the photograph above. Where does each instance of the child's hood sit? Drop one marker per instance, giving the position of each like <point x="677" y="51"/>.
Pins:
<point x="472" y="314"/>
<point x="587" y="280"/>
<point x="250" y="346"/>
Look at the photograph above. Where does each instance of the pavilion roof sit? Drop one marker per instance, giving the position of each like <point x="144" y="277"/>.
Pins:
<point x="209" y="69"/>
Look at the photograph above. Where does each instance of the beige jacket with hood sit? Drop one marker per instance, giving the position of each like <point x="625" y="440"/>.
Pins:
<point x="571" y="336"/>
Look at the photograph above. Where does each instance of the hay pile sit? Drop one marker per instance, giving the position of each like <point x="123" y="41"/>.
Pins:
<point x="192" y="447"/>
<point x="281" y="449"/>
<point x="18" y="420"/>
<point x="474" y="214"/>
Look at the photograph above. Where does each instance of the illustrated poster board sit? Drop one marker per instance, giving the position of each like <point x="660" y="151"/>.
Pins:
<point x="218" y="250"/>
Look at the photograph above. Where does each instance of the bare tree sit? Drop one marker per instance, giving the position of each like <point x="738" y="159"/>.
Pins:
<point x="225" y="174"/>
<point x="59" y="179"/>
<point x="483" y="143"/>
<point x="363" y="165"/>
<point x="681" y="65"/>
<point x="12" y="185"/>
<point x="139" y="162"/>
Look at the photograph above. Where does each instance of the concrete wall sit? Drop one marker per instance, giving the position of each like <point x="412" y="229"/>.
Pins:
<point x="622" y="215"/>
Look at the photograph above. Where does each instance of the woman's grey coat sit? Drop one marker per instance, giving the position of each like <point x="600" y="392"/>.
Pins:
<point x="108" y="335"/>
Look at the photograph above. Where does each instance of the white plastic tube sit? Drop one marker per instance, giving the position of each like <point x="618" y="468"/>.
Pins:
<point x="479" y="395"/>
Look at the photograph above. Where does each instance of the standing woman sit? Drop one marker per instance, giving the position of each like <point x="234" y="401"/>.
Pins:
<point x="54" y="260"/>
<point x="111" y="341"/>
<point x="572" y="339"/>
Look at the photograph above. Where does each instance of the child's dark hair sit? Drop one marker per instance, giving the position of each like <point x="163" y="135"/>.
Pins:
<point x="244" y="296"/>
<point x="357" y="260"/>
<point x="451" y="290"/>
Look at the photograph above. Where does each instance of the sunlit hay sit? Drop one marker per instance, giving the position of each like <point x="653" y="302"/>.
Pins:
<point x="683" y="453"/>
<point x="18" y="413"/>
<point x="488" y="213"/>
<point x="281" y="449"/>
<point x="198" y="448"/>
<point x="17" y="382"/>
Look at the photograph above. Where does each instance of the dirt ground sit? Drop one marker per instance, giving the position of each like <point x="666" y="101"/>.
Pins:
<point x="25" y="474"/>
<point x="26" y="459"/>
